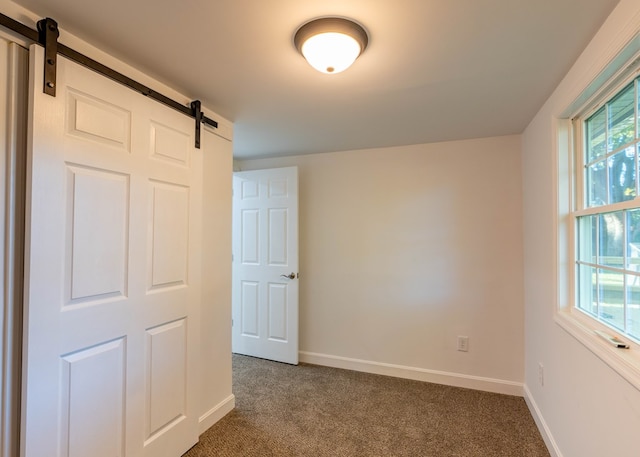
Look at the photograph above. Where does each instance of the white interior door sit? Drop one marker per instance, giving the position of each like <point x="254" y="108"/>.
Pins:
<point x="265" y="264"/>
<point x="112" y="271"/>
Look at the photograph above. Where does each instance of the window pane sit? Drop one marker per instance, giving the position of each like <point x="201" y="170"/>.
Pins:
<point x="587" y="236"/>
<point x="587" y="296"/>
<point x="611" y="239"/>
<point x="611" y="297"/>
<point x="633" y="306"/>
<point x="622" y="118"/>
<point x="622" y="176"/>
<point x="596" y="135"/>
<point x="597" y="182"/>
<point x="608" y="243"/>
<point x="633" y="240"/>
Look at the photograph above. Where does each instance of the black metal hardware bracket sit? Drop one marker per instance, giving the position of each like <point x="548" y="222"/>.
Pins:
<point x="96" y="66"/>
<point x="196" y="107"/>
<point x="49" y="33"/>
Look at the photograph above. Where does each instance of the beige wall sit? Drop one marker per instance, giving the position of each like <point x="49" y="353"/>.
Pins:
<point x="403" y="249"/>
<point x="585" y="408"/>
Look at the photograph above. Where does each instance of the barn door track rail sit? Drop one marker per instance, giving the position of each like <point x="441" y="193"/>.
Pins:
<point x="47" y="36"/>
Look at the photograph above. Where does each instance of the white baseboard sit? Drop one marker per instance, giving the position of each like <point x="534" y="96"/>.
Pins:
<point x="216" y="413"/>
<point x="418" y="374"/>
<point x="542" y="425"/>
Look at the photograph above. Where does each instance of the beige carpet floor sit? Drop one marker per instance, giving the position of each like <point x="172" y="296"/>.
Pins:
<point x="309" y="410"/>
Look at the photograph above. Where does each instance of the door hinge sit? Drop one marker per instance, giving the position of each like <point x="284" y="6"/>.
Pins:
<point x="49" y="33"/>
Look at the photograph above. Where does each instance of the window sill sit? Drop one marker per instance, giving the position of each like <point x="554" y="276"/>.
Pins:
<point x="626" y="362"/>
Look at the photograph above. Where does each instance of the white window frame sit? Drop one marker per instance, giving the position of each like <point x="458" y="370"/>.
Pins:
<point x="570" y="194"/>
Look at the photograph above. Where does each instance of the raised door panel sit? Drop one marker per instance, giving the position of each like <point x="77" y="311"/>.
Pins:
<point x="249" y="190"/>
<point x="97" y="235"/>
<point x="170" y="145"/>
<point x="169" y="235"/>
<point x="277" y="312"/>
<point x="277" y="236"/>
<point x="166" y="378"/>
<point x="278" y="188"/>
<point x="93" y="401"/>
<point x="249" y="236"/>
<point x="91" y="118"/>
<point x="250" y="312"/>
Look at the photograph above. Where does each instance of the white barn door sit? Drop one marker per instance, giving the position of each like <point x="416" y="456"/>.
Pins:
<point x="112" y="271"/>
<point x="265" y="264"/>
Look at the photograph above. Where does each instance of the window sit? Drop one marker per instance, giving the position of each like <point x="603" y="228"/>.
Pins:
<point x="607" y="215"/>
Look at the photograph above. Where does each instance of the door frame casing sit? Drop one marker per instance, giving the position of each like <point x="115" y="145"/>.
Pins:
<point x="13" y="172"/>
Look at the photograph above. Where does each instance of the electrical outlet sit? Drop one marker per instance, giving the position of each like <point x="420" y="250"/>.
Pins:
<point x="463" y="343"/>
<point x="541" y="374"/>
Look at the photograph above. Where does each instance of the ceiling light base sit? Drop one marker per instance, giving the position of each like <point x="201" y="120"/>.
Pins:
<point x="331" y="44"/>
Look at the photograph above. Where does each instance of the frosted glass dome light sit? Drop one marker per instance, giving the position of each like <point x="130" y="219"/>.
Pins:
<point x="331" y="44"/>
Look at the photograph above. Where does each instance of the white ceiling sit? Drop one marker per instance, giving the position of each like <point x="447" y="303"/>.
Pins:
<point x="435" y="70"/>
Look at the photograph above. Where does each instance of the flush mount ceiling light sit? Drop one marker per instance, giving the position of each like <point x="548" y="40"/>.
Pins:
<point x="331" y="44"/>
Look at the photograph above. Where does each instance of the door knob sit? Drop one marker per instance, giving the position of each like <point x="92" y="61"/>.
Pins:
<point x="291" y="276"/>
